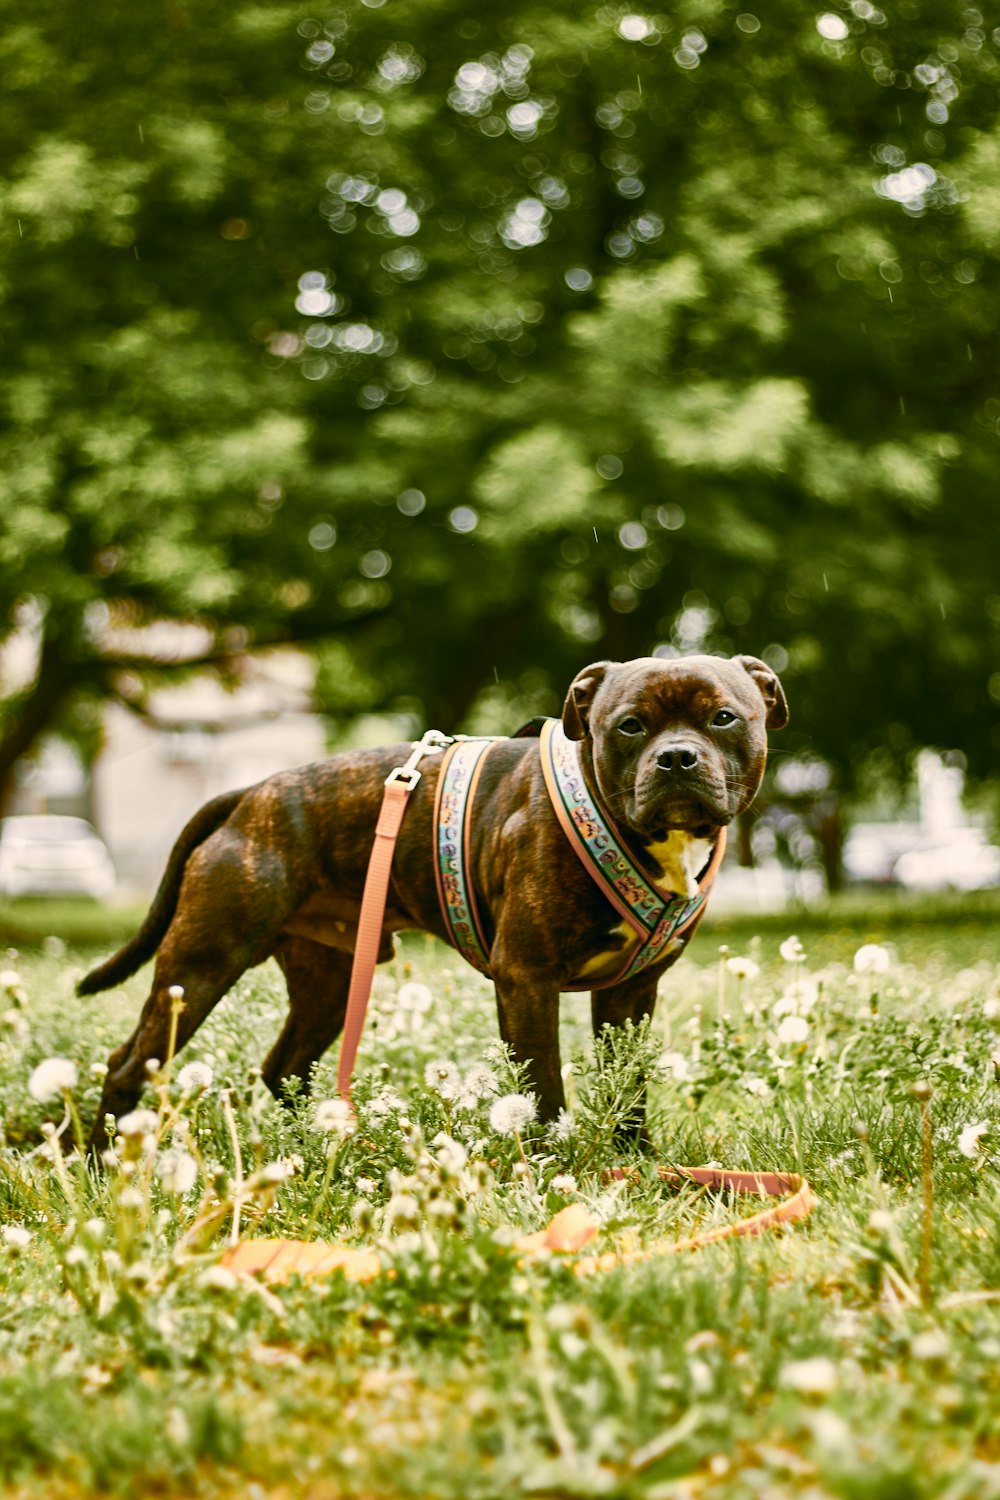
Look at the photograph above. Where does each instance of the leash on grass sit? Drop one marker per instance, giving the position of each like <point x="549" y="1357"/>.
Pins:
<point x="796" y="1198"/>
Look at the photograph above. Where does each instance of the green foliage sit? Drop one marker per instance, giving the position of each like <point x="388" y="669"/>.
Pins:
<point x="697" y="311"/>
<point x="129" y="1360"/>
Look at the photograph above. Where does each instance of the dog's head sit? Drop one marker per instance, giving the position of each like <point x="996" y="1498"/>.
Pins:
<point x="678" y="744"/>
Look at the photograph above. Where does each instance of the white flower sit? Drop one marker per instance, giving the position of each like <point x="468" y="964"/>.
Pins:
<point x="403" y="1208"/>
<point x="511" y="1113"/>
<point x="177" y="1170"/>
<point x="56" y="1075"/>
<point x="743" y="968"/>
<point x="756" y="1086"/>
<point x="931" y="1346"/>
<point x="969" y="1138"/>
<point x="195" y="1077"/>
<point x="564" y="1125"/>
<point x="138" y="1122"/>
<point x="10" y="980"/>
<point x="480" y="1082"/>
<point x="801" y="995"/>
<point x="792" y="951"/>
<point x="384" y="1103"/>
<point x="443" y="1077"/>
<point x="218" y="1279"/>
<point x="991" y="1008"/>
<point x="563" y="1183"/>
<point x="366" y="1186"/>
<point x="414" y="996"/>
<point x="16" y="1236"/>
<point x="451" y="1154"/>
<point x="812" y="1377"/>
<point x="334" y="1115"/>
<point x="872" y="958"/>
<point x="18" y="1025"/>
<point x="793" y="1029"/>
<point x="275" y="1172"/>
<point x="676" y="1064"/>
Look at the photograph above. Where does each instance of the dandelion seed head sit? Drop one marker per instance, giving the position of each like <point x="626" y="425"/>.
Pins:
<point x="480" y="1082"/>
<point x="792" y="951"/>
<point x="195" y="1077"/>
<point x="872" y="958"/>
<point x="676" y="1065"/>
<point x="56" y="1075"/>
<point x="415" y="997"/>
<point x="793" y="1029"/>
<point x="511" y="1113"/>
<point x="810" y="1377"/>
<point x="564" y="1183"/>
<point x="742" y="968"/>
<point x="138" y="1122"/>
<point x="969" y="1139"/>
<point x="177" y="1170"/>
<point x="218" y="1279"/>
<point x="16" y="1237"/>
<point x="451" y="1154"/>
<point x="334" y="1116"/>
<point x="444" y="1078"/>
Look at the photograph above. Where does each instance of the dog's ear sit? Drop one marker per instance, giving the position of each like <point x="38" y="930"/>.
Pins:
<point x="771" y="690"/>
<point x="576" y="709"/>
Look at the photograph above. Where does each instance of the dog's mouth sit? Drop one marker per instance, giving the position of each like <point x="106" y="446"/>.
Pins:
<point x="693" y="818"/>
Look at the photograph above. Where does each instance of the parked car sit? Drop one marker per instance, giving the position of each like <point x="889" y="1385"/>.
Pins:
<point x="51" y="855"/>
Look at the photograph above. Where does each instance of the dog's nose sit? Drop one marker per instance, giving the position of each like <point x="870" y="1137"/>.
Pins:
<point x="679" y="758"/>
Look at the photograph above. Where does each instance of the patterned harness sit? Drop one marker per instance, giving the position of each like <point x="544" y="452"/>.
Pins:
<point x="655" y="917"/>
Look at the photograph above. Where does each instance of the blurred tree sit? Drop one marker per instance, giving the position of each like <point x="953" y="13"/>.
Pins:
<point x="502" y="341"/>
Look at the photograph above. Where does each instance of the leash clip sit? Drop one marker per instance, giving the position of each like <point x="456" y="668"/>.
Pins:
<point x="432" y="743"/>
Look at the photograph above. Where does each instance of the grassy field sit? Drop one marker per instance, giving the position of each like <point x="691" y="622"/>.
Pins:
<point x="824" y="1360"/>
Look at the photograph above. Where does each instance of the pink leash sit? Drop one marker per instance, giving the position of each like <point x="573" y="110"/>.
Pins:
<point x="399" y="783"/>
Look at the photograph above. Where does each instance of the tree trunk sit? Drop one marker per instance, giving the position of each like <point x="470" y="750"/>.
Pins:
<point x="52" y="687"/>
<point x="830" y="836"/>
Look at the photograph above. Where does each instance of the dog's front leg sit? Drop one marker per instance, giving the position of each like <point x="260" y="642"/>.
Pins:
<point x="528" y="1010"/>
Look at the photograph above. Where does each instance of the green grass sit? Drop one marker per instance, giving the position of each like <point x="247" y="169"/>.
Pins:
<point x="807" y="1363"/>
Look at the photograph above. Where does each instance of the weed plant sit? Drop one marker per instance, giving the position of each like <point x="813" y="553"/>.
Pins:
<point x="836" y="1358"/>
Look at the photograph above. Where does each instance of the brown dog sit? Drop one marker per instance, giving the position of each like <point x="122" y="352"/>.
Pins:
<point x="673" y="749"/>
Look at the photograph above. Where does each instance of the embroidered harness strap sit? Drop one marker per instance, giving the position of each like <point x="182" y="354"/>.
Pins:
<point x="456" y="789"/>
<point x="655" y="918"/>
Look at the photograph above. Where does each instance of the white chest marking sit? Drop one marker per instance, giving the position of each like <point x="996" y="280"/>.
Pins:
<point x="681" y="856"/>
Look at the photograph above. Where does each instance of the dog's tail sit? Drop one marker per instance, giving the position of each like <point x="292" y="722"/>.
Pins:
<point x="146" y="941"/>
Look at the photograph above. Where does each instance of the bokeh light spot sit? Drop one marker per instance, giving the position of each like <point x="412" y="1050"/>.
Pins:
<point x="463" y="518"/>
<point x="831" y="27"/>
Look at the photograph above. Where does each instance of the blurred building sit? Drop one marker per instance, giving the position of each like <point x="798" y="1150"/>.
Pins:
<point x="195" y="740"/>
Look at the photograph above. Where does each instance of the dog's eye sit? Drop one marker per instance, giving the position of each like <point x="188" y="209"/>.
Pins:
<point x="630" y="726"/>
<point x="723" y="719"/>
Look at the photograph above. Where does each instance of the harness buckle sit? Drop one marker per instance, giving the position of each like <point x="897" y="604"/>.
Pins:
<point x="432" y="743"/>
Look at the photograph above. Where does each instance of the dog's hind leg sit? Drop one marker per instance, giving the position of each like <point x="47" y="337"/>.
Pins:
<point x="206" y="975"/>
<point x="318" y="978"/>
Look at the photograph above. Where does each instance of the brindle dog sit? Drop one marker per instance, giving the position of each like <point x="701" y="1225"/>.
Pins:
<point x="674" y="749"/>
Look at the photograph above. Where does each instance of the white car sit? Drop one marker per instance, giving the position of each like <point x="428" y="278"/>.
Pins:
<point x="52" y="855"/>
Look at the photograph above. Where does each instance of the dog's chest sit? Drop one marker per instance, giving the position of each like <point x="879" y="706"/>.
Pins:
<point x="681" y="857"/>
